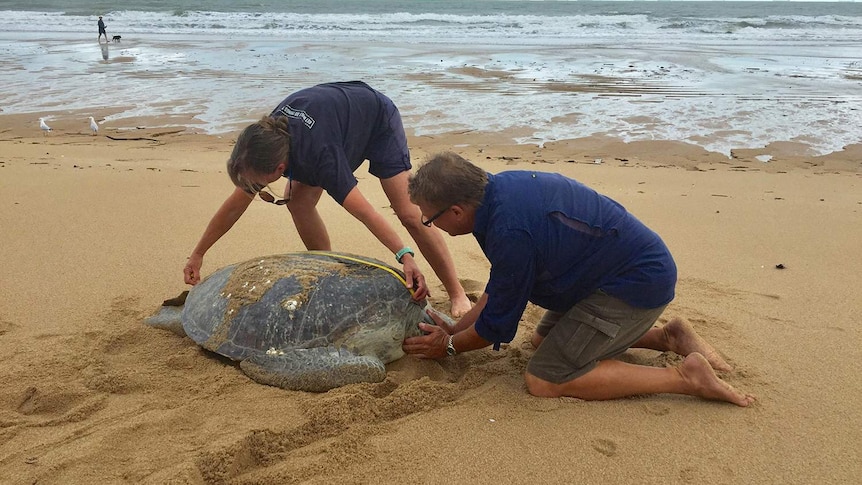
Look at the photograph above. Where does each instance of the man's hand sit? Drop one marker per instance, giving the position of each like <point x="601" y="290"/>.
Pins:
<point x="429" y="346"/>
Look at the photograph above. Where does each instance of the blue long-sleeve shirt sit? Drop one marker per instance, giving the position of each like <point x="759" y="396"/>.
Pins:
<point x="553" y="241"/>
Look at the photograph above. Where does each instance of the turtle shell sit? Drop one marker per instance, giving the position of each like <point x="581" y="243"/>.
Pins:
<point x="302" y="301"/>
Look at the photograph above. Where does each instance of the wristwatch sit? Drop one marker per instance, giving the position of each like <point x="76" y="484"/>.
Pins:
<point x="399" y="256"/>
<point x="450" y="349"/>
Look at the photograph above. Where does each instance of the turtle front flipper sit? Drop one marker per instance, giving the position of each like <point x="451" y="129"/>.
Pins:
<point x="427" y="318"/>
<point x="316" y="370"/>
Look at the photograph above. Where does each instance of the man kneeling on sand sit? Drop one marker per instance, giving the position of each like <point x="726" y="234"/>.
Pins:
<point x="602" y="275"/>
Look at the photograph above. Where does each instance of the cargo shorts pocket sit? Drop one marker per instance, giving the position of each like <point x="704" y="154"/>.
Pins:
<point x="590" y="339"/>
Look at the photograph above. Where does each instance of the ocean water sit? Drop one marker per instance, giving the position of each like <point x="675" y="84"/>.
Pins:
<point x="721" y="75"/>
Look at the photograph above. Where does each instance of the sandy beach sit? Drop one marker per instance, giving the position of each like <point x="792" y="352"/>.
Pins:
<point x="95" y="232"/>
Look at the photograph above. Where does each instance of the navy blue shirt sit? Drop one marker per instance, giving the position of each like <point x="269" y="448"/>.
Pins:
<point x="554" y="241"/>
<point x="331" y="126"/>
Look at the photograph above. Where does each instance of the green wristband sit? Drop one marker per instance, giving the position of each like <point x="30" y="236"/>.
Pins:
<point x="400" y="254"/>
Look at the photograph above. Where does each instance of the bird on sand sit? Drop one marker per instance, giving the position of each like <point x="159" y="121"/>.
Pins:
<point x="94" y="126"/>
<point x="44" y="126"/>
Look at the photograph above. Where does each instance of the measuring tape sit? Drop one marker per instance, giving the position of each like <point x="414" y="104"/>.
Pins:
<point x="369" y="263"/>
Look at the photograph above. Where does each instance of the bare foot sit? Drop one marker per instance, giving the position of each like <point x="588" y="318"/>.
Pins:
<point x="702" y="381"/>
<point x="683" y="340"/>
<point x="459" y="306"/>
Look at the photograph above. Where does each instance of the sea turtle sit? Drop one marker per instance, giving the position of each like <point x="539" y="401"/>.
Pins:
<point x="307" y="321"/>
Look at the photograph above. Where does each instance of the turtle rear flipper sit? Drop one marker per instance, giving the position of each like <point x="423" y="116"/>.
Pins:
<point x="316" y="370"/>
<point x="168" y="318"/>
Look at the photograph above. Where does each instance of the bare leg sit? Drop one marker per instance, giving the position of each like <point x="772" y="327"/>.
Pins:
<point x="680" y="337"/>
<point x="430" y="242"/>
<point x="612" y="379"/>
<point x="309" y="224"/>
<point x="536" y="340"/>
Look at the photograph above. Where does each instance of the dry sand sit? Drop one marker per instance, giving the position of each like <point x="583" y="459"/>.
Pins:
<point x="94" y="234"/>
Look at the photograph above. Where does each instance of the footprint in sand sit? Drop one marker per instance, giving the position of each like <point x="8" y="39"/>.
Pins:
<point x="605" y="447"/>
<point x="473" y="288"/>
<point x="657" y="409"/>
<point x="6" y="326"/>
<point x="52" y="407"/>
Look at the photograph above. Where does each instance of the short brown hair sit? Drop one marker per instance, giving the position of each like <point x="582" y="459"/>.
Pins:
<point x="260" y="148"/>
<point x="447" y="178"/>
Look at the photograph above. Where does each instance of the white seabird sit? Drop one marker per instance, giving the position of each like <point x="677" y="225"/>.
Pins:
<point x="44" y="126"/>
<point x="94" y="126"/>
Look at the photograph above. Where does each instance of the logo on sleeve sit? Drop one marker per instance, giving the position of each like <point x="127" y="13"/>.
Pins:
<point x="298" y="114"/>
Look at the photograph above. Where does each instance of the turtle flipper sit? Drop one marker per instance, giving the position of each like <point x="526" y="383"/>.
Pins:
<point x="315" y="370"/>
<point x="427" y="318"/>
<point x="170" y="315"/>
<point x="168" y="318"/>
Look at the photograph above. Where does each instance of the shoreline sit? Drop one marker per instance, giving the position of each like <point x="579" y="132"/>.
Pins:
<point x="774" y="157"/>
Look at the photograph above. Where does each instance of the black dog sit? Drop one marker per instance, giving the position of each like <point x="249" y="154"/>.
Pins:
<point x="117" y="38"/>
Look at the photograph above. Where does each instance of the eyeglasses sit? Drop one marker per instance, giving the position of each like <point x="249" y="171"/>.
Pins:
<point x="430" y="220"/>
<point x="266" y="196"/>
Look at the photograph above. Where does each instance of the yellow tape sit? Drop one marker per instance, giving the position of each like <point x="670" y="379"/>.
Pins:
<point x="369" y="263"/>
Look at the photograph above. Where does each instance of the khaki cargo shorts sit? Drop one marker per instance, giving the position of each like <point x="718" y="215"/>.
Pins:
<point x="598" y="327"/>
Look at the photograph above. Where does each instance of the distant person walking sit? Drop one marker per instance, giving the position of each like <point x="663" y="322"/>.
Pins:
<point x="102" y="30"/>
